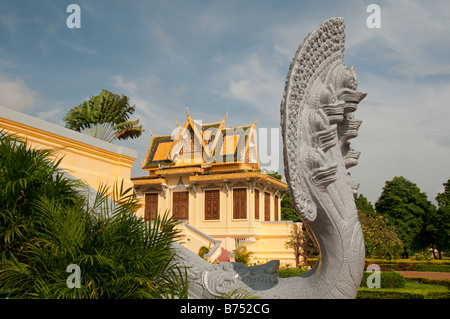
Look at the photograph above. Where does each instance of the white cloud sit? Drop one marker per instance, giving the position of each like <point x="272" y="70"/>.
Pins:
<point x="412" y="39"/>
<point x="15" y="94"/>
<point x="257" y="83"/>
<point x="53" y="114"/>
<point x="119" y="82"/>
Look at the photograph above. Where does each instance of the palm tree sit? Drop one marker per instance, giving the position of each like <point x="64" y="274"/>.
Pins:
<point x="44" y="230"/>
<point x="105" y="116"/>
<point x="26" y="174"/>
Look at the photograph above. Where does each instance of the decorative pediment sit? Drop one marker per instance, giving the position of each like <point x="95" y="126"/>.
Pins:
<point x="240" y="184"/>
<point x="180" y="186"/>
<point x="198" y="143"/>
<point x="212" y="186"/>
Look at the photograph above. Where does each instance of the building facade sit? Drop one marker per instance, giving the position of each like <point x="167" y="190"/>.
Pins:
<point x="208" y="177"/>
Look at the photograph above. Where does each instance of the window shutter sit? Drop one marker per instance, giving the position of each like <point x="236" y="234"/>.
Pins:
<point x="151" y="206"/>
<point x="212" y="204"/>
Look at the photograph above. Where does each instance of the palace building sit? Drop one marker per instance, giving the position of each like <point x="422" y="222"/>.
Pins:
<point x="208" y="177"/>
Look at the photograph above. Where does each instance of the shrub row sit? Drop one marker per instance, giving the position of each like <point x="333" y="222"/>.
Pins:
<point x="367" y="293"/>
<point x="290" y="272"/>
<point x="388" y="279"/>
<point x="404" y="264"/>
<point x="408" y="261"/>
<point x="391" y="293"/>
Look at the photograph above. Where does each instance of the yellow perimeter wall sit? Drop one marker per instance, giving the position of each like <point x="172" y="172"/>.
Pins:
<point x="87" y="158"/>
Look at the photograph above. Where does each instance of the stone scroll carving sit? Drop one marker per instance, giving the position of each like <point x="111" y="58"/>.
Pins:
<point x="317" y="121"/>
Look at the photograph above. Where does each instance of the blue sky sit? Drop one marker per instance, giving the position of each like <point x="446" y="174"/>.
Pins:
<point x="219" y="56"/>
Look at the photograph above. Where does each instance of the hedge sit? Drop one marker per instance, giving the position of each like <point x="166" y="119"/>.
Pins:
<point x="400" y="293"/>
<point x="388" y="279"/>
<point x="368" y="293"/>
<point x="404" y="264"/>
<point x="434" y="265"/>
<point x="290" y="272"/>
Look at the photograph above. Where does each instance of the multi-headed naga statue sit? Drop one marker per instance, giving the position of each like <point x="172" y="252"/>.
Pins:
<point x="317" y="122"/>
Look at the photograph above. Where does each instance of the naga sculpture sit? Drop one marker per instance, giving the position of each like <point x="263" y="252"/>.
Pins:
<point x="317" y="121"/>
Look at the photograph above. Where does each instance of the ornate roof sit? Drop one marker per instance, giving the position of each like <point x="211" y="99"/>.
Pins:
<point x="196" y="143"/>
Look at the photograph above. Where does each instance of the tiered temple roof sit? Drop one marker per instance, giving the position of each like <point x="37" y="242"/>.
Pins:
<point x="202" y="145"/>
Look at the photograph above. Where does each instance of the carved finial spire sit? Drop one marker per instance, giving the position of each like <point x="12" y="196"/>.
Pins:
<point x="187" y="111"/>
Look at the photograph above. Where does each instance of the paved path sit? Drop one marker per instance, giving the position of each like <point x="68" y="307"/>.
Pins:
<point x="424" y="274"/>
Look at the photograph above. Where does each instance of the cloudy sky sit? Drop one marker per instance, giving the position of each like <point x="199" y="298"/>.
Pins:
<point x="219" y="56"/>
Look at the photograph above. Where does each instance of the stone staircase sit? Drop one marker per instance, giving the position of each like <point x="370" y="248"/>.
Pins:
<point x="223" y="257"/>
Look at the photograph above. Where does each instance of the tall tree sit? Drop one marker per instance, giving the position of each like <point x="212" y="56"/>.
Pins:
<point x="363" y="205"/>
<point x="441" y="221"/>
<point x="287" y="210"/>
<point x="295" y="241"/>
<point x="105" y="116"/>
<point x="380" y="239"/>
<point x="408" y="209"/>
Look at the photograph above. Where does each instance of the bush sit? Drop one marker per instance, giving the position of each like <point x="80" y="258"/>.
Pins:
<point x="383" y="294"/>
<point x="411" y="265"/>
<point x="203" y="251"/>
<point x="290" y="272"/>
<point x="242" y="255"/>
<point x="388" y="279"/>
<point x="413" y="290"/>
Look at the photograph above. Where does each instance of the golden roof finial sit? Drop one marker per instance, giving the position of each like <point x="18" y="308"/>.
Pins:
<point x="187" y="111"/>
<point x="256" y="121"/>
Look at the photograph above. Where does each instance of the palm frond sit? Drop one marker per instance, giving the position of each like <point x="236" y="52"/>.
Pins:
<point x="103" y="131"/>
<point x="126" y="130"/>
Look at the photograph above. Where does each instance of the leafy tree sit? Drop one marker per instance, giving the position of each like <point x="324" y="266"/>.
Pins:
<point x="441" y="221"/>
<point x="294" y="241"/>
<point x="301" y="241"/>
<point x="309" y="244"/>
<point x="47" y="225"/>
<point x="408" y="209"/>
<point x="105" y="116"/>
<point x="287" y="210"/>
<point x="363" y="205"/>
<point x="380" y="239"/>
<point x="242" y="255"/>
<point x="273" y="174"/>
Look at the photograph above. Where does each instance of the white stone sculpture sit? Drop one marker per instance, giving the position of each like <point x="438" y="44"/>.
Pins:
<point x="317" y="122"/>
